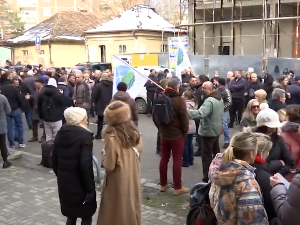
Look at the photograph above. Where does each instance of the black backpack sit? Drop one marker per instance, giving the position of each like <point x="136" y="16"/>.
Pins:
<point x="163" y="109"/>
<point x="200" y="212"/>
<point x="48" y="106"/>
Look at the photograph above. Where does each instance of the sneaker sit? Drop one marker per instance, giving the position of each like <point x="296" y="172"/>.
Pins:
<point x="6" y="164"/>
<point x="22" y="145"/>
<point x="164" y="188"/>
<point x="226" y="145"/>
<point x="181" y="191"/>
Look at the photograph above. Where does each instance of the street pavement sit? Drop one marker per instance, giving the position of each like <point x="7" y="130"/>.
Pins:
<point x="150" y="160"/>
<point x="30" y="197"/>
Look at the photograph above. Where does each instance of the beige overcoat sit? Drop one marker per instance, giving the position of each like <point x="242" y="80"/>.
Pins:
<point x="121" y="197"/>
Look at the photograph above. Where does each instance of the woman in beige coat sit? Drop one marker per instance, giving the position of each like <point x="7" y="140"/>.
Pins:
<point x="121" y="193"/>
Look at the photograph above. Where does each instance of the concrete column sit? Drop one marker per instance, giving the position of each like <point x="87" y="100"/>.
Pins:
<point x="271" y="40"/>
<point x="191" y="19"/>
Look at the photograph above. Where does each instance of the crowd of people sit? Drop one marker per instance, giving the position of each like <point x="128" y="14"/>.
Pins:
<point x="245" y="185"/>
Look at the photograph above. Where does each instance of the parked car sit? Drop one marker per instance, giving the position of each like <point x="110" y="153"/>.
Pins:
<point x="102" y="66"/>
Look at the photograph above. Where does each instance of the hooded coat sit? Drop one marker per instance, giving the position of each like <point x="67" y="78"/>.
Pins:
<point x="235" y="193"/>
<point x="125" y="97"/>
<point x="72" y="164"/>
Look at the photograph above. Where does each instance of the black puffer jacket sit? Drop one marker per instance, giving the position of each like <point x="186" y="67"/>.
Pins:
<point x="287" y="202"/>
<point x="72" y="164"/>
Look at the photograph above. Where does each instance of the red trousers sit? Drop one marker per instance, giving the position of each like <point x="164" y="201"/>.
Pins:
<point x="176" y="147"/>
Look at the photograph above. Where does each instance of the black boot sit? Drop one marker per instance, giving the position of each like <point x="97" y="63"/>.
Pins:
<point x="6" y="164"/>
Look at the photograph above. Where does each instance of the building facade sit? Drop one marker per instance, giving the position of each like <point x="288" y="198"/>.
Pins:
<point x="245" y="27"/>
<point x="33" y="12"/>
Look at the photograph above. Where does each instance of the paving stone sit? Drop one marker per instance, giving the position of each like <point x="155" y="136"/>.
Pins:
<point x="29" y="197"/>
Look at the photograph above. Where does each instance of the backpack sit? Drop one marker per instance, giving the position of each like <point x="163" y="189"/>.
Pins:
<point x="200" y="212"/>
<point x="163" y="109"/>
<point x="48" y="106"/>
<point x="251" y="93"/>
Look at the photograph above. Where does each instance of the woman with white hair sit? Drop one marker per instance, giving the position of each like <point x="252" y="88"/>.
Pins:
<point x="72" y="164"/>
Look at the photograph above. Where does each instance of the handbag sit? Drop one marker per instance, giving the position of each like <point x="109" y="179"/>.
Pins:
<point x="201" y="212"/>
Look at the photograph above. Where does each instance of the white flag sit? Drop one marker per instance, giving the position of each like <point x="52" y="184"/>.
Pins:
<point x="183" y="61"/>
<point x="123" y="72"/>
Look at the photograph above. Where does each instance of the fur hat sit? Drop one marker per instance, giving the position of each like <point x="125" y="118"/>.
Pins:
<point x="117" y="112"/>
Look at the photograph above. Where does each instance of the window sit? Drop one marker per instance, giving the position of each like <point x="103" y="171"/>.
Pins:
<point x="164" y="48"/>
<point x="47" y="12"/>
<point x="42" y="52"/>
<point x="122" y="48"/>
<point x="29" y="13"/>
<point x="224" y="50"/>
<point x="25" y="52"/>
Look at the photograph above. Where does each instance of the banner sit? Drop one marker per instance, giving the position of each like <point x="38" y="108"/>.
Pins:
<point x="123" y="72"/>
<point x="173" y="48"/>
<point x="183" y="61"/>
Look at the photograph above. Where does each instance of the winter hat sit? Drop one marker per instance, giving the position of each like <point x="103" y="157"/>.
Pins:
<point x="74" y="115"/>
<point x="117" y="112"/>
<point x="52" y="82"/>
<point x="122" y="86"/>
<point x="267" y="117"/>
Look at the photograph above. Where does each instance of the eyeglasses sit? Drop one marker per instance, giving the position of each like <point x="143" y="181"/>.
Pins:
<point x="255" y="106"/>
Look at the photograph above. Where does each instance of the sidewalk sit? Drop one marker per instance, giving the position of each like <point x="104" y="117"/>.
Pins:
<point x="29" y="197"/>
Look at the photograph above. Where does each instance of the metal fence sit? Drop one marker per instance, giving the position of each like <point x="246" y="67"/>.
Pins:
<point x="225" y="63"/>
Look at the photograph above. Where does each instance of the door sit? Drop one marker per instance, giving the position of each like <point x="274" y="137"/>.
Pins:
<point x="102" y="53"/>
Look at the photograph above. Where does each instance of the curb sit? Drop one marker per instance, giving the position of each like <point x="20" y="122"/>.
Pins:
<point x="20" y="154"/>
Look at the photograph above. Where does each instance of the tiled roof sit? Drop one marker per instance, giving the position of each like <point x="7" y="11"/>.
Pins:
<point x="139" y="17"/>
<point x="66" y="25"/>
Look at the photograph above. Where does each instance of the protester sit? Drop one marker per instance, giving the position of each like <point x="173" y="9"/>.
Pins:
<point x="51" y="105"/>
<point x="172" y="138"/>
<point x="291" y="134"/>
<point x="261" y="96"/>
<point x="122" y="95"/>
<point x="279" y="159"/>
<point x="210" y="114"/>
<point x="188" y="151"/>
<point x="101" y="96"/>
<point x="121" y="161"/>
<point x="250" y="113"/>
<point x="72" y="164"/>
<point x="226" y="96"/>
<point x="4" y="111"/>
<point x="234" y="190"/>
<point x="151" y="88"/>
<point x="262" y="175"/>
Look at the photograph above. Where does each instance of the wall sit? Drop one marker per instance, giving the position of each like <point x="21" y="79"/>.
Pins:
<point x="5" y="53"/>
<point x="249" y="41"/>
<point x="68" y="55"/>
<point x="138" y="43"/>
<point x="62" y="54"/>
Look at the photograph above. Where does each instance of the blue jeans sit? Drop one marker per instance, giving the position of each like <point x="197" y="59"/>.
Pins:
<point x="188" y="151"/>
<point x="225" y="127"/>
<point x="14" y="118"/>
<point x="28" y="116"/>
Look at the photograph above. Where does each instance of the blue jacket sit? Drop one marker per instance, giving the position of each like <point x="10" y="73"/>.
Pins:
<point x="237" y="88"/>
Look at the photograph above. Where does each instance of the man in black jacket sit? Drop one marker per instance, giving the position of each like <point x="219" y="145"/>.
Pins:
<point x="14" y="118"/>
<point x="151" y="89"/>
<point x="237" y="88"/>
<point x="268" y="84"/>
<point x="51" y="106"/>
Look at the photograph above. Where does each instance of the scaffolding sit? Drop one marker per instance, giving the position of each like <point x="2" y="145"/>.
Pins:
<point x="272" y="16"/>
